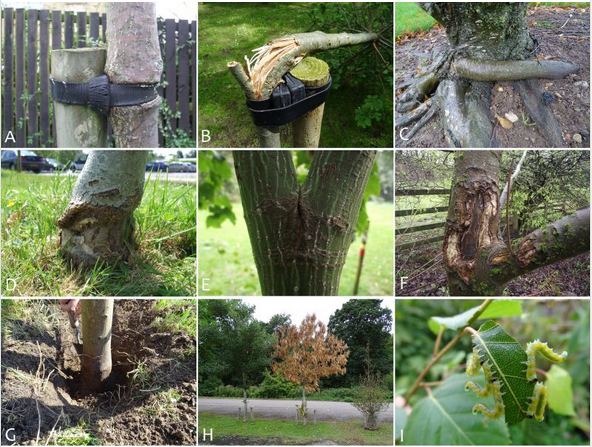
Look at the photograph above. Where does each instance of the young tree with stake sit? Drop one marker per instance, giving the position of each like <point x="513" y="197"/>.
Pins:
<point x="308" y="354"/>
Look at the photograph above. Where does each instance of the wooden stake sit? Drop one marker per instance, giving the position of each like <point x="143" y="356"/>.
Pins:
<point x="78" y="126"/>
<point x="312" y="72"/>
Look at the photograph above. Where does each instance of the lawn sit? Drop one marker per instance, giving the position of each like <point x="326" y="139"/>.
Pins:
<point x="280" y="432"/>
<point x="225" y="257"/>
<point x="229" y="31"/>
<point x="410" y="18"/>
<point x="163" y="263"/>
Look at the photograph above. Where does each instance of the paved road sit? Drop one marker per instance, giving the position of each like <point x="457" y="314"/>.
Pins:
<point x="181" y="177"/>
<point x="272" y="408"/>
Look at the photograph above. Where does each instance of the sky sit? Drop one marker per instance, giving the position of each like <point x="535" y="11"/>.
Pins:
<point x="299" y="307"/>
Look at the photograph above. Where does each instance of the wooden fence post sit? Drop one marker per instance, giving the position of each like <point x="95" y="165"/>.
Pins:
<point x="252" y="415"/>
<point x="78" y="126"/>
<point x="296" y="415"/>
<point x="314" y="415"/>
<point x="239" y="415"/>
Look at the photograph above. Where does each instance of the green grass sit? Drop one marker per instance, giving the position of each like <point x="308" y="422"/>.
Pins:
<point x="181" y="315"/>
<point x="78" y="435"/>
<point x="350" y="432"/>
<point x="225" y="257"/>
<point x="22" y="319"/>
<point x="229" y="31"/>
<point x="410" y="18"/>
<point x="163" y="263"/>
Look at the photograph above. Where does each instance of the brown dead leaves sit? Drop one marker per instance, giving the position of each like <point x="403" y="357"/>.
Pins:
<point x="309" y="353"/>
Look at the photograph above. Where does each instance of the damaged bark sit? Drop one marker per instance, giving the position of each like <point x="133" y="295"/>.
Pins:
<point x="97" y="224"/>
<point x="477" y="260"/>
<point x="488" y="42"/>
<point x="300" y="235"/>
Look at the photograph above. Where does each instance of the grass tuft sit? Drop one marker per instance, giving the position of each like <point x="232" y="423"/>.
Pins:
<point x="162" y="264"/>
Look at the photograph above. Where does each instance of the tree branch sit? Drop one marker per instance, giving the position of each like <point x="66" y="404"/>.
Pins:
<point x="565" y="238"/>
<point x="504" y="194"/>
<point x="446" y="348"/>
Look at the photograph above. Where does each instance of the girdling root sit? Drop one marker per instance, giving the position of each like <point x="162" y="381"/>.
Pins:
<point x="459" y="88"/>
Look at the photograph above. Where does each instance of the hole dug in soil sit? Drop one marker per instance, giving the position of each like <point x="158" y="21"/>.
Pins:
<point x="149" y="399"/>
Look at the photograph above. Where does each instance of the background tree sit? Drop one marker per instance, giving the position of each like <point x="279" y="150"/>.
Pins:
<point x="277" y="322"/>
<point x="307" y="354"/>
<point x="97" y="224"/>
<point x="370" y="395"/>
<point x="97" y="321"/>
<point x="487" y="42"/>
<point x="234" y="347"/>
<point x="134" y="58"/>
<point x="364" y="325"/>
<point x="300" y="235"/>
<point x="478" y="260"/>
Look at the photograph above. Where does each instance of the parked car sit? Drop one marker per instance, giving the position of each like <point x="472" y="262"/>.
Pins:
<point x="30" y="161"/>
<point x="78" y="164"/>
<point x="157" y="166"/>
<point x="178" y="167"/>
<point x="55" y="165"/>
<point x="192" y="167"/>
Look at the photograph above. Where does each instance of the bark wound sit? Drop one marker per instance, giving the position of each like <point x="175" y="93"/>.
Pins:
<point x="526" y="250"/>
<point x="473" y="227"/>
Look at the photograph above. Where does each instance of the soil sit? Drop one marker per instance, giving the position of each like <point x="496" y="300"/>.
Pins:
<point x="41" y="385"/>
<point x="571" y="104"/>
<point x="570" y="277"/>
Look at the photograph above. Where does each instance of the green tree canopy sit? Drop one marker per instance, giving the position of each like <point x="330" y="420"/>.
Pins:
<point x="362" y="323"/>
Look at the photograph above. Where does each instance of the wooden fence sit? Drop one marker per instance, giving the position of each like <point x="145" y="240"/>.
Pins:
<point x="422" y="228"/>
<point x="27" y="112"/>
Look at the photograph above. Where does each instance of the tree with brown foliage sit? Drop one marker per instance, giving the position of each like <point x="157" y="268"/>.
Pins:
<point x="308" y="354"/>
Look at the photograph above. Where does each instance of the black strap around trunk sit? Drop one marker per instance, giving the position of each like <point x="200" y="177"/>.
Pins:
<point x="288" y="101"/>
<point x="100" y="95"/>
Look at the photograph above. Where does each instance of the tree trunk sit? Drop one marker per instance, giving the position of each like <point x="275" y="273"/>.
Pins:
<point x="478" y="261"/>
<point x="97" y="319"/>
<point x="300" y="235"/>
<point x="304" y="407"/>
<point x="245" y="404"/>
<point x="488" y="42"/>
<point x="133" y="57"/>
<point x="97" y="224"/>
<point x="371" y="421"/>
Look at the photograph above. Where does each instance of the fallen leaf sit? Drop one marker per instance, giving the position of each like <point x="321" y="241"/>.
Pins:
<point x="581" y="41"/>
<point x="506" y="124"/>
<point x="500" y="89"/>
<point x="562" y="38"/>
<point x="567" y="137"/>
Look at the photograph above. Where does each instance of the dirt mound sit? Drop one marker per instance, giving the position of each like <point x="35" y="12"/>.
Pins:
<point x="150" y="400"/>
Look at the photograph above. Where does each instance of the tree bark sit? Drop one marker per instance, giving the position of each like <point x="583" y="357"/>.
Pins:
<point x="478" y="262"/>
<point x="97" y="320"/>
<point x="304" y="407"/>
<point x="245" y="404"/>
<point x="300" y="235"/>
<point x="133" y="57"/>
<point x="97" y="224"/>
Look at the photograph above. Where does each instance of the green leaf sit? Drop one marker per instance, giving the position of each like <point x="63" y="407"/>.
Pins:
<point x="446" y="418"/>
<point x="506" y="359"/>
<point x="497" y="309"/>
<point x="400" y="421"/>
<point x="560" y="393"/>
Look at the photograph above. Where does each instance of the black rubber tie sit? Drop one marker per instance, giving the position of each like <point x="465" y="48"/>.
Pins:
<point x="98" y="94"/>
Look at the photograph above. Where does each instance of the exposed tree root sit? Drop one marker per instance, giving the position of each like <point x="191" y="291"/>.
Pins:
<point x="416" y="94"/>
<point x="464" y="113"/>
<point x="427" y="115"/>
<point x="531" y="93"/>
<point x="415" y="114"/>
<point x="490" y="71"/>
